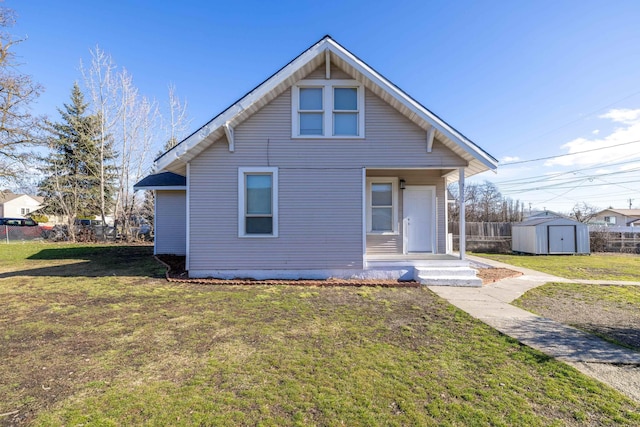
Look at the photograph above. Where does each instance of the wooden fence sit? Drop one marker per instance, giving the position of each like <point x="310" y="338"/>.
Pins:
<point x="491" y="237"/>
<point x="495" y="237"/>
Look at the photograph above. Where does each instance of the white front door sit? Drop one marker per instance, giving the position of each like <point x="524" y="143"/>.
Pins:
<point x="418" y="218"/>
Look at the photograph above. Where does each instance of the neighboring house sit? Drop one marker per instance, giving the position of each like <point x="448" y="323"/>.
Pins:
<point x="326" y="169"/>
<point x="18" y="205"/>
<point x="618" y="217"/>
<point x="536" y="214"/>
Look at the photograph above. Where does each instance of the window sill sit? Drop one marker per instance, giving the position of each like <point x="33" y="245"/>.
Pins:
<point x="326" y="137"/>
<point x="257" y="236"/>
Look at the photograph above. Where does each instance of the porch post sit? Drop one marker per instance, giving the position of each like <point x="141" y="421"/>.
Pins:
<point x="364" y="217"/>
<point x="463" y="229"/>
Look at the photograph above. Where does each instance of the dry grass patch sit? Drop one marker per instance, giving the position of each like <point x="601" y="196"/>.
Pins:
<point x="611" y="312"/>
<point x="95" y="348"/>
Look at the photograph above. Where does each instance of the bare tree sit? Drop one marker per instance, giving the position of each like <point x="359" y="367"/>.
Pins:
<point x="138" y="118"/>
<point x="179" y="123"/>
<point x="100" y="81"/>
<point x="134" y="124"/>
<point x="583" y="212"/>
<point x="19" y="129"/>
<point x="484" y="203"/>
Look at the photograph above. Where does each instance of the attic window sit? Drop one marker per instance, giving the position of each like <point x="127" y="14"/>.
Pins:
<point x="327" y="109"/>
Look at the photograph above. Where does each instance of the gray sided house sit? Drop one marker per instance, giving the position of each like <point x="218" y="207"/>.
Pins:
<point x="326" y="169"/>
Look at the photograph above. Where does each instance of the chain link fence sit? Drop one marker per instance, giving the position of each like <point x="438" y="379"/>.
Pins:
<point x="60" y="233"/>
<point x="15" y="233"/>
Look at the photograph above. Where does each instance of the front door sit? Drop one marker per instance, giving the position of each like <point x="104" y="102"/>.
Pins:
<point x="418" y="218"/>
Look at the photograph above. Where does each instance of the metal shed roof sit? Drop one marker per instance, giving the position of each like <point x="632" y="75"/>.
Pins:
<point x="538" y="221"/>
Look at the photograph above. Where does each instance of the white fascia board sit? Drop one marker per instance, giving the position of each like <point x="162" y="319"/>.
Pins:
<point x="434" y="121"/>
<point x="230" y="113"/>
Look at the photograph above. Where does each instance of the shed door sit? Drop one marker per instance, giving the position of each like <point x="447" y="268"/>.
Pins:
<point x="562" y="239"/>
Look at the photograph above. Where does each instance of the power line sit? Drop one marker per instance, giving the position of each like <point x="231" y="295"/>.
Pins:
<point x="569" y="154"/>
<point x="577" y="120"/>
<point x="551" y="177"/>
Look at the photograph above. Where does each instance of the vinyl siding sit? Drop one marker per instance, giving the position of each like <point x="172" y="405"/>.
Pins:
<point x="13" y="208"/>
<point x="319" y="222"/>
<point x="320" y="188"/>
<point x="336" y="73"/>
<point x="170" y="224"/>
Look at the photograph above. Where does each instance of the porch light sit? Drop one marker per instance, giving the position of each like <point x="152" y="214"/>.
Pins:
<point x="402" y="183"/>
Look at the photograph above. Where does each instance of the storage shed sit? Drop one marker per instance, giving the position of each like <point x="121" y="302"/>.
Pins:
<point x="550" y="236"/>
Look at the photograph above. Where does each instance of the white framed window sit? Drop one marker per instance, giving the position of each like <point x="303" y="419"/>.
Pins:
<point x="24" y="211"/>
<point x="382" y="205"/>
<point x="610" y="219"/>
<point x="258" y="202"/>
<point x="327" y="109"/>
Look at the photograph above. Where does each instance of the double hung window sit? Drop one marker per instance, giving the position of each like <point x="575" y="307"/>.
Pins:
<point x="258" y="197"/>
<point x="328" y="109"/>
<point x="382" y="206"/>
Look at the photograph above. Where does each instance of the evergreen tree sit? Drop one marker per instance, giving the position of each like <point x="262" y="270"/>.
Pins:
<point x="73" y="169"/>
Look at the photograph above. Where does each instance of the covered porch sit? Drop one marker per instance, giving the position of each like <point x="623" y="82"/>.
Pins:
<point x="406" y="226"/>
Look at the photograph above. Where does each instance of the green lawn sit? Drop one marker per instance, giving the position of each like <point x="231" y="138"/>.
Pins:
<point x="93" y="335"/>
<point x="595" y="266"/>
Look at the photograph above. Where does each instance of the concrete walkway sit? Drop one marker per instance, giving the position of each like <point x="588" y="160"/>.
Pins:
<point x="617" y="366"/>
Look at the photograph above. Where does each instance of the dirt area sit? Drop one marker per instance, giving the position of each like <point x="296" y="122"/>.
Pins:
<point x="613" y="320"/>
<point x="177" y="272"/>
<point x="490" y="275"/>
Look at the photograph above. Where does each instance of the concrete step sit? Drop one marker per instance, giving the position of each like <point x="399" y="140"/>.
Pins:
<point x="436" y="263"/>
<point x="451" y="276"/>
<point x="446" y="271"/>
<point x="450" y="281"/>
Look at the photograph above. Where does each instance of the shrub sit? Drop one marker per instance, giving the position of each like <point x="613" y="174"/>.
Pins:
<point x="39" y="218"/>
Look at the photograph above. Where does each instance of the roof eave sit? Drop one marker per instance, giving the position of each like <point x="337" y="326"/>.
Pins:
<point x="177" y="157"/>
<point x="215" y="125"/>
<point x="426" y="115"/>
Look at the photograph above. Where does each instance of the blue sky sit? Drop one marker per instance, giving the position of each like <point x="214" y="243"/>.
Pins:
<point x="522" y="79"/>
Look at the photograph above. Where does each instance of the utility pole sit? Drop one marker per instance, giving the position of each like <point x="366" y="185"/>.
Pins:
<point x="630" y="203"/>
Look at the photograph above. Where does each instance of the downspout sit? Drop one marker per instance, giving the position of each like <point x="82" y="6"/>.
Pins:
<point x="364" y="217"/>
<point x="155" y="222"/>
<point x="463" y="226"/>
<point x="188" y="225"/>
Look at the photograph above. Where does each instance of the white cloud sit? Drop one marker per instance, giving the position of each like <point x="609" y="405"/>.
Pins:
<point x="595" y="131"/>
<point x="622" y="115"/>
<point x="507" y="159"/>
<point x="606" y="147"/>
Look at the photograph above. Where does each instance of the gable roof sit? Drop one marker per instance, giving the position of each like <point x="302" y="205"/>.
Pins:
<point x="624" y="212"/>
<point x="7" y="197"/>
<point x="162" y="181"/>
<point x="175" y="158"/>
